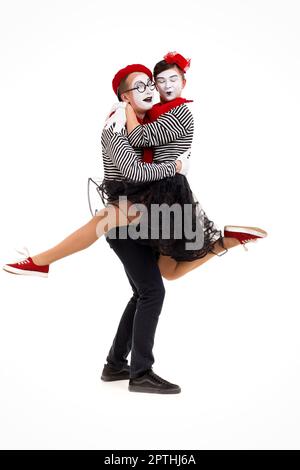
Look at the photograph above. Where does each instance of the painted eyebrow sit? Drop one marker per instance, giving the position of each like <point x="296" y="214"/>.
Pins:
<point x="171" y="76"/>
<point x="139" y="81"/>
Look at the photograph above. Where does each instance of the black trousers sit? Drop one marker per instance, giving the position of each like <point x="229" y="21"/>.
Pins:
<point x="138" y="323"/>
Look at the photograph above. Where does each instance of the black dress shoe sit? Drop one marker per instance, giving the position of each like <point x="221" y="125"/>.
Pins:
<point x="109" y="374"/>
<point x="152" y="383"/>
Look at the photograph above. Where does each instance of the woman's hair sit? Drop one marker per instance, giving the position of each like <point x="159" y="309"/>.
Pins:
<point x="163" y="65"/>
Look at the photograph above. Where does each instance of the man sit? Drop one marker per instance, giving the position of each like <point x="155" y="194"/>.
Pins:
<point x="138" y="324"/>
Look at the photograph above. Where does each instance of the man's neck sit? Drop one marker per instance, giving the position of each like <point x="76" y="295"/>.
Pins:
<point x="140" y="115"/>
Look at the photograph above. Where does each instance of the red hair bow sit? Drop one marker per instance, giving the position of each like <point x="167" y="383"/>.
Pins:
<point x="178" y="59"/>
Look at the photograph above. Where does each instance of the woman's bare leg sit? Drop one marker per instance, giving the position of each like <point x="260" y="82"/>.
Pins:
<point x="171" y="269"/>
<point x="101" y="223"/>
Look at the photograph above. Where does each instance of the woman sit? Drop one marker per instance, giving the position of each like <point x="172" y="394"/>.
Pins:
<point x="170" y="132"/>
<point x="112" y="216"/>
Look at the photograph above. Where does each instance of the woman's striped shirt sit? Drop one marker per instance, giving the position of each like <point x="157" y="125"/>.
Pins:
<point x="170" y="135"/>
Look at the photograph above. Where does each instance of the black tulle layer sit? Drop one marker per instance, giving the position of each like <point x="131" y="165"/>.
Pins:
<point x="170" y="191"/>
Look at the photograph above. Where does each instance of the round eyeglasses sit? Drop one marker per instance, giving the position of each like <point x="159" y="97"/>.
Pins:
<point x="141" y="87"/>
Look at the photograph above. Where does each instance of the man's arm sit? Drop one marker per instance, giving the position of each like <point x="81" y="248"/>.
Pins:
<point x="125" y="159"/>
<point x="167" y="128"/>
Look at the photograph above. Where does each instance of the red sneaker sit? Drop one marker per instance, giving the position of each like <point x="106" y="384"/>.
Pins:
<point x="27" y="267"/>
<point x="244" y="234"/>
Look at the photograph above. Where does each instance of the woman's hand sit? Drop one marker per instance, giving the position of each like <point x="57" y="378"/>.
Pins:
<point x="118" y="117"/>
<point x="131" y="119"/>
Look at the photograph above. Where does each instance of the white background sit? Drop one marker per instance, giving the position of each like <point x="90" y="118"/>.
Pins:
<point x="229" y="331"/>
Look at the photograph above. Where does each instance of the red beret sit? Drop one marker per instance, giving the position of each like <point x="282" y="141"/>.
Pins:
<point x="126" y="71"/>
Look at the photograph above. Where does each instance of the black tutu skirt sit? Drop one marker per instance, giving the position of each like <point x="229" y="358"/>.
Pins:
<point x="186" y="235"/>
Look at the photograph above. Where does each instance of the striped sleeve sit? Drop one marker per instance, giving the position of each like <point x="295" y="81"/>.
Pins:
<point x="167" y="128"/>
<point x="125" y="159"/>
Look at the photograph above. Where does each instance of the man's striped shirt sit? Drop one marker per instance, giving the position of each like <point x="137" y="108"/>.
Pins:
<point x="121" y="161"/>
<point x="170" y="135"/>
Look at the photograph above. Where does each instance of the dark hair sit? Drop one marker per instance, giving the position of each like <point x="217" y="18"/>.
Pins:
<point x="122" y="87"/>
<point x="163" y="65"/>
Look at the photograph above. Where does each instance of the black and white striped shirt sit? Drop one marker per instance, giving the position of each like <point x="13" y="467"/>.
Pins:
<point x="121" y="161"/>
<point x="170" y="135"/>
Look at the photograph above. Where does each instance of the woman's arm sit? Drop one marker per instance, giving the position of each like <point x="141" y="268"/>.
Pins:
<point x="131" y="119"/>
<point x="168" y="127"/>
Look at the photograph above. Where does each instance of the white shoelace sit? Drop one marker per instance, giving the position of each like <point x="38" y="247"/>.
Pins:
<point x="248" y="240"/>
<point x="25" y="253"/>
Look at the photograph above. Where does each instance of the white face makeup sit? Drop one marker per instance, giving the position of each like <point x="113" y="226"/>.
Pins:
<point x="169" y="84"/>
<point x="140" y="100"/>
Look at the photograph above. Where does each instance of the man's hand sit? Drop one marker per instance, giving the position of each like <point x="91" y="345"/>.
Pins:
<point x="185" y="162"/>
<point x="178" y="164"/>
<point x="118" y="119"/>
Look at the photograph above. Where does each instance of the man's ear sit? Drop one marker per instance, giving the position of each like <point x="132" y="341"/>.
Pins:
<point x="125" y="98"/>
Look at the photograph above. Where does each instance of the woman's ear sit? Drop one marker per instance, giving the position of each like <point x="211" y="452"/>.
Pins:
<point x="183" y="83"/>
